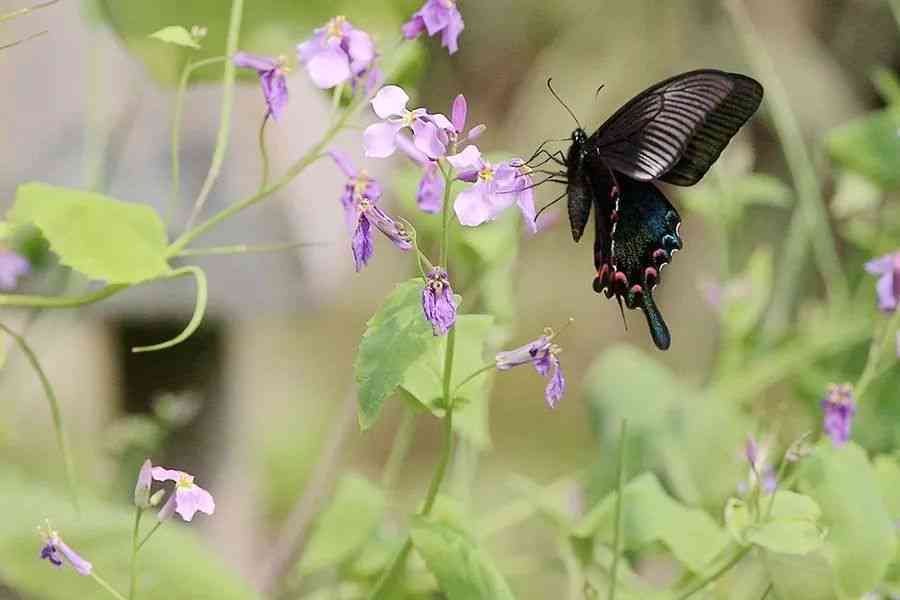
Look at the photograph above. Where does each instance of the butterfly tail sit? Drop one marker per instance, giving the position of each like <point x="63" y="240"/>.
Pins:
<point x="659" y="331"/>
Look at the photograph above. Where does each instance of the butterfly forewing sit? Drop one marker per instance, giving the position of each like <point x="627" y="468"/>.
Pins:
<point x="691" y="115"/>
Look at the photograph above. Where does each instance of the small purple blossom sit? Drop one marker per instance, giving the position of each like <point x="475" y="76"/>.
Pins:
<point x="437" y="301"/>
<point x="544" y="355"/>
<point x="361" y="211"/>
<point x="188" y="497"/>
<point x="380" y="139"/>
<point x="142" y="487"/>
<point x="496" y="188"/>
<point x="430" y="191"/>
<point x="437" y="16"/>
<point x="838" y="407"/>
<point x="12" y="266"/>
<point x="271" y="73"/>
<point x="761" y="472"/>
<point x="55" y="549"/>
<point x="436" y="135"/>
<point x="337" y="53"/>
<point x="887" y="268"/>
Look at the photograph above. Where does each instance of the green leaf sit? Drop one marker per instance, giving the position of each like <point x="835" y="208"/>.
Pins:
<point x="738" y="519"/>
<point x="346" y="525"/>
<point x="649" y="515"/>
<point x="118" y="242"/>
<point x="173" y="564"/>
<point x="861" y="540"/>
<point x="175" y="34"/>
<point x="887" y="471"/>
<point x="796" y="577"/>
<point x="6" y="230"/>
<point x="792" y="528"/>
<point x="463" y="571"/>
<point x="396" y="336"/>
<point x="870" y="146"/>
<point x="423" y="380"/>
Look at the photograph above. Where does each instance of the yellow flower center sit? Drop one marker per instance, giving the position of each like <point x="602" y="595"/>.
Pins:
<point x="185" y="482"/>
<point x="486" y="174"/>
<point x="336" y="27"/>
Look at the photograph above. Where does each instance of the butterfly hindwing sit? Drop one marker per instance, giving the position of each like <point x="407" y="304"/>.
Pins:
<point x="691" y="116"/>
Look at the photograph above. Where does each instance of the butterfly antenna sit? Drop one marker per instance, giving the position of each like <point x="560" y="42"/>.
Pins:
<point x="622" y="310"/>
<point x="560" y="100"/>
<point x="546" y="206"/>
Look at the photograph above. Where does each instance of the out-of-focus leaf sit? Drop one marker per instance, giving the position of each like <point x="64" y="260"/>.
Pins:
<point x="649" y="514"/>
<point x="792" y="528"/>
<point x="396" y="337"/>
<point x="423" y="380"/>
<point x="174" y="564"/>
<point x="118" y="242"/>
<point x="5" y="230"/>
<point x="888" y="85"/>
<point x="887" y="472"/>
<point x="758" y="189"/>
<point x="726" y="198"/>
<point x="861" y="539"/>
<point x="463" y="571"/>
<point x="870" y="146"/>
<point x="854" y="195"/>
<point x="345" y="526"/>
<point x="738" y="519"/>
<point x="175" y="34"/>
<point x="744" y="306"/>
<point x="796" y="577"/>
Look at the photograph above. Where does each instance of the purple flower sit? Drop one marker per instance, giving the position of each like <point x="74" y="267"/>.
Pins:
<point x="359" y="200"/>
<point x="436" y="135"/>
<point x="188" y="497"/>
<point x="389" y="104"/>
<point x="55" y="550"/>
<point x="430" y="191"/>
<point x="271" y="73"/>
<point x="544" y="355"/>
<point x="12" y="266"/>
<point x="761" y="472"/>
<point x="497" y="187"/>
<point x="888" y="287"/>
<point x="437" y="301"/>
<point x="839" y="408"/>
<point x="142" y="487"/>
<point x="338" y="52"/>
<point x="437" y="16"/>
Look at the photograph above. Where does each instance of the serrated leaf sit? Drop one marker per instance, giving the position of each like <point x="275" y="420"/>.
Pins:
<point x="463" y="571"/>
<point x="870" y="146"/>
<point x="396" y="336"/>
<point x="424" y="382"/>
<point x="176" y="34"/>
<point x="861" y="539"/>
<point x="649" y="514"/>
<point x="103" y="238"/>
<point x="344" y="527"/>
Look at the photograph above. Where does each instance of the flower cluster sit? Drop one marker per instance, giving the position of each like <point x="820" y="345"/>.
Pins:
<point x="437" y="16"/>
<point x="838" y="408"/>
<point x="544" y="356"/>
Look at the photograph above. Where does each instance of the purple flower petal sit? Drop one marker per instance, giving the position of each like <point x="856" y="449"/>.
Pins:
<point x="163" y="474"/>
<point x="459" y="112"/>
<point x="189" y="500"/>
<point x="343" y="162"/>
<point x="880" y="266"/>
<point x="450" y="36"/>
<point x="430" y="193"/>
<point x="389" y="227"/>
<point x="390" y="101"/>
<point x="409" y="148"/>
<point x="361" y="48"/>
<point x="12" y="266"/>
<point x="476" y="132"/>
<point x="838" y="407"/>
<point x="379" y="139"/>
<point x="274" y="86"/>
<point x="523" y="354"/>
<point x="469" y="158"/>
<point x="414" y="27"/>
<point x="437" y="301"/>
<point x="427" y="139"/>
<point x="328" y="68"/>
<point x="472" y="206"/>
<point x="245" y="60"/>
<point x="435" y="13"/>
<point x="82" y="566"/>
<point x="361" y="243"/>
<point x="556" y="387"/>
<point x="887" y="297"/>
<point x="142" y="487"/>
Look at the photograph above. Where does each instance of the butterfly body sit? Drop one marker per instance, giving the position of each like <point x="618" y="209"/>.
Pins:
<point x="672" y="132"/>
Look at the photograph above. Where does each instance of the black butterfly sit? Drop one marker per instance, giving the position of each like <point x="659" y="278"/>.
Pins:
<point x="672" y="132"/>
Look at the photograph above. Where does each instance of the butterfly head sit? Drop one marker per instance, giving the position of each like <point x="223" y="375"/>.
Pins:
<point x="579" y="137"/>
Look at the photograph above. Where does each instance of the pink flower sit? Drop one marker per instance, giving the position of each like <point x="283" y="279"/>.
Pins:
<point x="389" y="104"/>
<point x="338" y="52"/>
<point x="437" y="16"/>
<point x="188" y="497"/>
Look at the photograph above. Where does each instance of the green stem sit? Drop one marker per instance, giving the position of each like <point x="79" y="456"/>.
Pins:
<point x="102" y="583"/>
<point x="244" y="249"/>
<point x="484" y="369"/>
<point x="149" y="533"/>
<point x="445" y="217"/>
<point x="620" y="484"/>
<point x="263" y="153"/>
<point x="399" y="449"/>
<point x="132" y="584"/>
<point x="231" y="44"/>
<point x="27" y="38"/>
<point x="810" y="222"/>
<point x="734" y="560"/>
<point x="62" y="440"/>
<point x="876" y="351"/>
<point x="24" y="11"/>
<point x="61" y="301"/>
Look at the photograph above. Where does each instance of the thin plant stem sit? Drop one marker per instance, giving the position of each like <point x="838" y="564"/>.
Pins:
<point x="263" y="153"/>
<point x="620" y="485"/>
<point x="876" y="351"/>
<point x="231" y="43"/>
<point x="24" y="11"/>
<point x="484" y="369"/>
<point x="180" y="94"/>
<point x="445" y="217"/>
<point x="27" y="38"/>
<point x="150" y="533"/>
<point x="406" y="431"/>
<point x="135" y="534"/>
<point x="244" y="249"/>
<point x="810" y="222"/>
<point x="60" y="301"/>
<point x="106" y="586"/>
<point x="699" y="585"/>
<point x="768" y="591"/>
<point x="62" y="440"/>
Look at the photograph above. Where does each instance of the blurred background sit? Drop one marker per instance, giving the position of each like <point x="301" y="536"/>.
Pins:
<point x="250" y="401"/>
